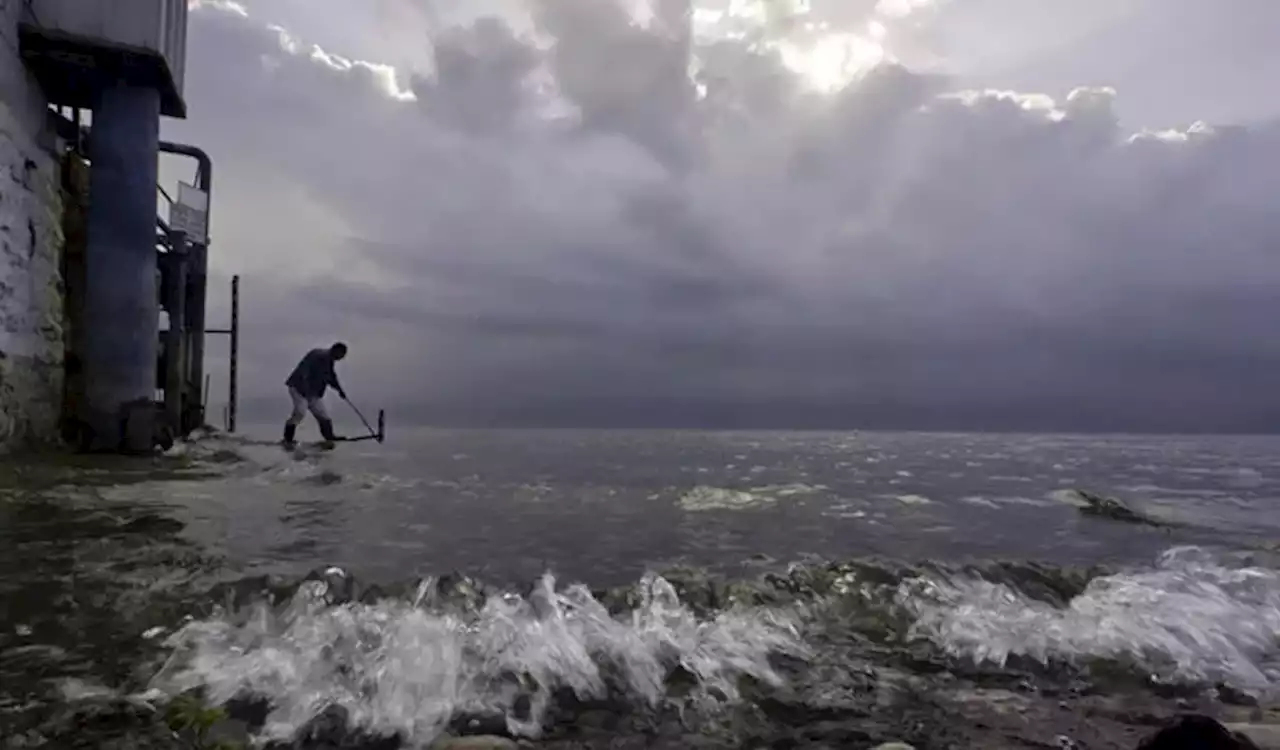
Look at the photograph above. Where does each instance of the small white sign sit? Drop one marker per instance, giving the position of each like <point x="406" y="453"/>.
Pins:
<point x="190" y="214"/>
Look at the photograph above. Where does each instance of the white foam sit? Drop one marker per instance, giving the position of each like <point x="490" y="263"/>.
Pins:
<point x="703" y="498"/>
<point x="397" y="666"/>
<point x="1191" y="618"/>
<point x="790" y="490"/>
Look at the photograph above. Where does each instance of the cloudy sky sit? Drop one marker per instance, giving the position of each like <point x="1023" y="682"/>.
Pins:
<point x="1011" y="214"/>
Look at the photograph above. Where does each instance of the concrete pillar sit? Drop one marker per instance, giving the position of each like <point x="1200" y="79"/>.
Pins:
<point x="121" y="305"/>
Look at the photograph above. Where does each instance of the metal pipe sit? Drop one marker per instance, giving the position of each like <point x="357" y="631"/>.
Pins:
<point x="197" y="289"/>
<point x="175" y="349"/>
<point x="233" y="369"/>
<point x="204" y="167"/>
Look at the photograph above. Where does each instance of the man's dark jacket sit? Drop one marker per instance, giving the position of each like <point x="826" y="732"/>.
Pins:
<point x="314" y="374"/>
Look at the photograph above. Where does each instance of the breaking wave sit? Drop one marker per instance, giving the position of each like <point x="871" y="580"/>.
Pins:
<point x="1193" y="618"/>
<point x="411" y="665"/>
<point x="448" y="650"/>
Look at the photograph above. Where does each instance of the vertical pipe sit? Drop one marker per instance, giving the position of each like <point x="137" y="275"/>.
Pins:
<point x="198" y="286"/>
<point x="235" y="354"/>
<point x="175" y="346"/>
<point x="196" y="291"/>
<point x="121" y="305"/>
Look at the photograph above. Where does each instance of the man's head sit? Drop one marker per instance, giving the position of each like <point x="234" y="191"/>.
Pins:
<point x="338" y="350"/>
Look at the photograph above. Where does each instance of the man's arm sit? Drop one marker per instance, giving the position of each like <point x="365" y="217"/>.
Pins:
<point x="333" y="380"/>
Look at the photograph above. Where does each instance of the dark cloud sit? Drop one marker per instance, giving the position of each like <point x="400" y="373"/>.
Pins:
<point x="568" y="228"/>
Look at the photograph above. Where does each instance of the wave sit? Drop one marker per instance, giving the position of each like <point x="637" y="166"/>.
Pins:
<point x="410" y="666"/>
<point x="1192" y="618"/>
<point x="418" y="660"/>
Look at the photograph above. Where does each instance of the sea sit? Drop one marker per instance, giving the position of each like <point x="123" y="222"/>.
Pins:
<point x="751" y="589"/>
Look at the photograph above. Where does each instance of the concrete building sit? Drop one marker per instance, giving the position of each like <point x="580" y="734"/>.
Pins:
<point x="31" y="302"/>
<point x="83" y="85"/>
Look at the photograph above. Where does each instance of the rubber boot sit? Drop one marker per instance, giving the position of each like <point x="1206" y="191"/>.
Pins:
<point x="290" y="430"/>
<point x="326" y="430"/>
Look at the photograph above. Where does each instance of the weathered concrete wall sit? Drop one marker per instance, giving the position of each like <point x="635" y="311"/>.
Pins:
<point x="31" y="307"/>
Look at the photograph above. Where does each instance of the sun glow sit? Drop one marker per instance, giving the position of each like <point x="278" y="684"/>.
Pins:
<point x="824" y="58"/>
<point x="829" y="61"/>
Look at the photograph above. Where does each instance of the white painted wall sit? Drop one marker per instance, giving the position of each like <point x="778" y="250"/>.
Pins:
<point x="31" y="314"/>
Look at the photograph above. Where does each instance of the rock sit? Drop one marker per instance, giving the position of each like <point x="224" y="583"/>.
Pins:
<point x="598" y="719"/>
<point x="228" y="733"/>
<point x="1197" y="732"/>
<point x="893" y="746"/>
<point x="1266" y="736"/>
<point x="1113" y="509"/>
<point x="331" y="730"/>
<point x="112" y="724"/>
<point x="474" y="742"/>
<point x="479" y="725"/>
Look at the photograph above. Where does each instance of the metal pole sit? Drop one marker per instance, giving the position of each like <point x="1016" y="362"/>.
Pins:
<point x="175" y="350"/>
<point x="196" y="292"/>
<point x="233" y="369"/>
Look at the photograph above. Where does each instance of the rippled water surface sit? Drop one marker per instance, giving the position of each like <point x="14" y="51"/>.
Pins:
<point x="102" y="562"/>
<point x="603" y="506"/>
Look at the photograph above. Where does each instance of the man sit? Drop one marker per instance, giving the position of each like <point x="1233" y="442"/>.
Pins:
<point x="306" y="386"/>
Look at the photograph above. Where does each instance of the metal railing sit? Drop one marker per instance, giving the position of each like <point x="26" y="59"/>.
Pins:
<point x="198" y="261"/>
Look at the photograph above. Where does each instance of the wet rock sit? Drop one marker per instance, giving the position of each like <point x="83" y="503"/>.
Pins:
<point x="154" y="525"/>
<point x="597" y="720"/>
<point x="249" y="709"/>
<point x="793" y="711"/>
<point x="1051" y="584"/>
<point x="1101" y="506"/>
<point x="224" y="456"/>
<point x="109" y="723"/>
<point x="452" y="592"/>
<point x="475" y="742"/>
<point x="1229" y="695"/>
<point x="479" y="725"/>
<point x="228" y="732"/>
<point x="1197" y="733"/>
<point x="339" y="585"/>
<point x="1265" y="736"/>
<point x="235" y="595"/>
<point x="331" y="730"/>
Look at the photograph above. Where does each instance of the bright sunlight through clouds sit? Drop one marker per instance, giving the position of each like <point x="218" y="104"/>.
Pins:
<point x="825" y="56"/>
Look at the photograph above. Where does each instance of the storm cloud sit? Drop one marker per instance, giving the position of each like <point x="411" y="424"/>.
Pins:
<point x="587" y="212"/>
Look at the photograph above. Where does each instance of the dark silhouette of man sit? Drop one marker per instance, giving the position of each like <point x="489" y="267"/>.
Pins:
<point x="307" y="385"/>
